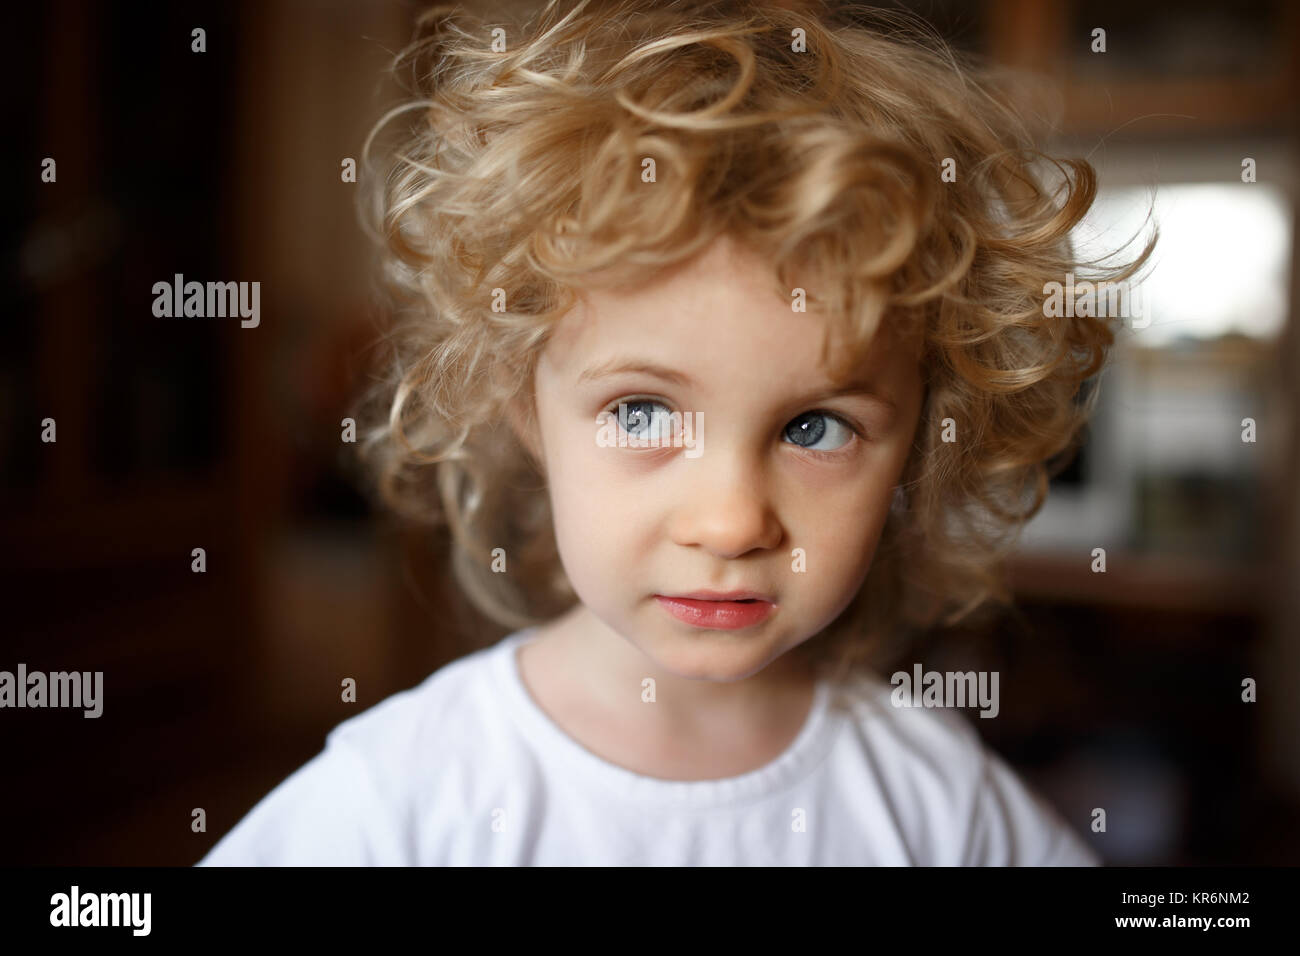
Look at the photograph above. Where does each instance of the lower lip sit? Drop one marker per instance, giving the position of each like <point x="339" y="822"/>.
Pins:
<point x="719" y="615"/>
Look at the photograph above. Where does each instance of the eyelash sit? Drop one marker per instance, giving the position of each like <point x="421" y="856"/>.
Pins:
<point x="837" y="454"/>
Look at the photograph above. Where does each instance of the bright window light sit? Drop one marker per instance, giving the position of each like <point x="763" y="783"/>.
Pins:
<point x="1221" y="266"/>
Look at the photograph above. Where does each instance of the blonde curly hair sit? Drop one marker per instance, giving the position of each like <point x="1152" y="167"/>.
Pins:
<point x="817" y="138"/>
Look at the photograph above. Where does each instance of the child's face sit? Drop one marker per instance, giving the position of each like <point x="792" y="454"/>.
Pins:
<point x="728" y="513"/>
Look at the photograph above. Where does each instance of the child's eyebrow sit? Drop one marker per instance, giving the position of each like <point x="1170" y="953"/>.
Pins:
<point x="618" y="367"/>
<point x="681" y="379"/>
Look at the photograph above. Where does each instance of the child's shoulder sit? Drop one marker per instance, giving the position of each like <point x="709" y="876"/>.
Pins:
<point x="884" y="719"/>
<point x="948" y="788"/>
<point x="356" y="800"/>
<point x="441" y="710"/>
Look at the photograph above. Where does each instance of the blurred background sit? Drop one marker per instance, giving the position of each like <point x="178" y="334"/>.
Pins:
<point x="176" y="434"/>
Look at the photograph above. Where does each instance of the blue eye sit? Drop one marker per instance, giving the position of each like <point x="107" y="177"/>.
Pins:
<point x="812" y="428"/>
<point x="639" y="421"/>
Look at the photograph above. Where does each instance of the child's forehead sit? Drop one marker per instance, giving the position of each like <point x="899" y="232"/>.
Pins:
<point x="716" y="331"/>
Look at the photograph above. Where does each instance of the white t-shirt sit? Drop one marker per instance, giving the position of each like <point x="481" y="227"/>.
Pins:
<point x="466" y="769"/>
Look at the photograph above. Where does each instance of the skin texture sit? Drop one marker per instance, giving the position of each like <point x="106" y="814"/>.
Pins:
<point x="634" y="522"/>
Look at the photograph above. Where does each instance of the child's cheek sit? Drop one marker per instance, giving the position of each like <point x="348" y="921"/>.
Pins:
<point x="839" y="526"/>
<point x="593" y="502"/>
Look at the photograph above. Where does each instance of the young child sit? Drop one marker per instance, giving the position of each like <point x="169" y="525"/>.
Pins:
<point x="726" y="361"/>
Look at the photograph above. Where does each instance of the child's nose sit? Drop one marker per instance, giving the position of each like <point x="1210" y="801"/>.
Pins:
<point x="724" y="507"/>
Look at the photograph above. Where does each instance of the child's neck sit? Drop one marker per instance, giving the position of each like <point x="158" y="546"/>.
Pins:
<point x="588" y="679"/>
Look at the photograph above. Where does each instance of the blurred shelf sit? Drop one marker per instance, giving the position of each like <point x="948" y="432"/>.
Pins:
<point x="1146" y="582"/>
<point x="1151" y="82"/>
<point x="1163" y="106"/>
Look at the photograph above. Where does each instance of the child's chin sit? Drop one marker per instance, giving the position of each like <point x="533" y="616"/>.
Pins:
<point x="712" y="655"/>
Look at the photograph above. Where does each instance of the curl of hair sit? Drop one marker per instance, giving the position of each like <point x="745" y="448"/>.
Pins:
<point x="517" y="178"/>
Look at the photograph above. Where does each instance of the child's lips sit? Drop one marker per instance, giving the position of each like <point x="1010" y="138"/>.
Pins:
<point x="718" y="610"/>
